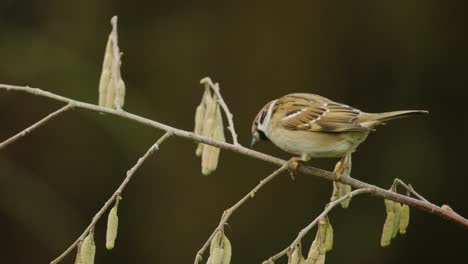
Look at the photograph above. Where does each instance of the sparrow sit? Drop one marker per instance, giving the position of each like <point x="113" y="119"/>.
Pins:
<point x="312" y="126"/>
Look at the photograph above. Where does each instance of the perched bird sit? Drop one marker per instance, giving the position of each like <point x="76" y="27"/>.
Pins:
<point x="312" y="126"/>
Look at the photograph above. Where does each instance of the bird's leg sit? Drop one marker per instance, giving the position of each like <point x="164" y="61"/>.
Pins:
<point x="293" y="163"/>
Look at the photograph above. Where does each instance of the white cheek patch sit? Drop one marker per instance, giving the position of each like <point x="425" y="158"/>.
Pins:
<point x="265" y="125"/>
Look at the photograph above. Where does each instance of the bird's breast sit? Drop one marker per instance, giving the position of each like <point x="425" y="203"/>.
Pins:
<point x="317" y="144"/>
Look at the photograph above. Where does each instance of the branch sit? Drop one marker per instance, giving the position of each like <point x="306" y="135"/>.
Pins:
<point x="328" y="208"/>
<point x="35" y="125"/>
<point x="228" y="212"/>
<point x="215" y="87"/>
<point x="409" y="189"/>
<point x="114" y="196"/>
<point x="356" y="184"/>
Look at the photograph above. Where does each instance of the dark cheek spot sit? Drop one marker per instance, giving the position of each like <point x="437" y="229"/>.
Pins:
<point x="262" y="135"/>
<point x="262" y="117"/>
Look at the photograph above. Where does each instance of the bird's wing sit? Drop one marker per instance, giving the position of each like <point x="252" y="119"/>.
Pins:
<point x="311" y="112"/>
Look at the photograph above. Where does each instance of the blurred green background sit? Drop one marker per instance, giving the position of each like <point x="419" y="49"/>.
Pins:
<point x="374" y="55"/>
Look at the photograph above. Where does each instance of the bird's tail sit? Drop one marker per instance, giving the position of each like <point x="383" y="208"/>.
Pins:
<point x="383" y="117"/>
<point x="376" y="119"/>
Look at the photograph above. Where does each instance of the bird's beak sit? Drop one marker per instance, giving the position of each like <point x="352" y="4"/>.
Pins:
<point x="255" y="139"/>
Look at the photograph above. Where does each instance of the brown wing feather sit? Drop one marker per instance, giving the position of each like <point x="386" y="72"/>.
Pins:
<point x="315" y="113"/>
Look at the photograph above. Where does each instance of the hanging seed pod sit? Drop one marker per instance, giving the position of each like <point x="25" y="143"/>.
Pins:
<point x="329" y="238"/>
<point x="227" y="250"/>
<point x="106" y="73"/>
<point x="121" y="93"/>
<point x="314" y="251"/>
<point x="111" y="95"/>
<point x="404" y="218"/>
<point x="320" y="259"/>
<point x="209" y="153"/>
<point x="78" y="253"/>
<point x="216" y="241"/>
<point x="112" y="225"/>
<point x="396" y="223"/>
<point x="322" y="230"/>
<point x="389" y="205"/>
<point x="336" y="191"/>
<point x="345" y="190"/>
<point x="387" y="230"/>
<point x="88" y="249"/>
<point x="216" y="257"/>
<point x="296" y="255"/>
<point x="200" y="115"/>
<point x="202" y="118"/>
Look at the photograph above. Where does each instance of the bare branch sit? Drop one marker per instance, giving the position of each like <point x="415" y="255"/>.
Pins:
<point x="228" y="212"/>
<point x="328" y="208"/>
<point x="215" y="87"/>
<point x="409" y="189"/>
<point x="308" y="170"/>
<point x="114" y="196"/>
<point x="35" y="125"/>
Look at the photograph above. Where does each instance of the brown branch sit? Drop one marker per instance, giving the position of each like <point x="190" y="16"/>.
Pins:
<point x="328" y="208"/>
<point x="228" y="212"/>
<point x="35" y="125"/>
<point x="215" y="87"/>
<point x="114" y="196"/>
<point x="409" y="189"/>
<point x="356" y="184"/>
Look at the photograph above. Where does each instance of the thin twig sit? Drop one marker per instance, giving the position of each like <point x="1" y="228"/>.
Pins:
<point x="215" y="87"/>
<point x="35" y="125"/>
<point x="228" y="212"/>
<point x="328" y="208"/>
<point x="308" y="170"/>
<point x="115" y="62"/>
<point x="410" y="189"/>
<point x="114" y="196"/>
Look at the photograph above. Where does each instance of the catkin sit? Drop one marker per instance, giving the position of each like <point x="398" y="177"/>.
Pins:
<point x="220" y="249"/>
<point x="404" y="218"/>
<point x="111" y="93"/>
<point x="314" y="250"/>
<point x="295" y="256"/>
<point x="396" y="223"/>
<point x="216" y="257"/>
<point x="106" y="73"/>
<point x="112" y="226"/>
<point x="78" y="254"/>
<point x="329" y="238"/>
<point x="227" y="250"/>
<point x="88" y="249"/>
<point x="387" y="229"/>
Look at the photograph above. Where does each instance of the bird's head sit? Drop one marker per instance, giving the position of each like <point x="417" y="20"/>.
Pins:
<point x="262" y="124"/>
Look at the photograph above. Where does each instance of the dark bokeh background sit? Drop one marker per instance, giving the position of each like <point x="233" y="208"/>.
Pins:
<point x="375" y="55"/>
